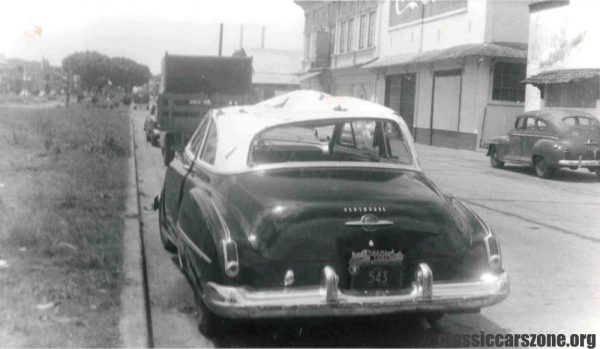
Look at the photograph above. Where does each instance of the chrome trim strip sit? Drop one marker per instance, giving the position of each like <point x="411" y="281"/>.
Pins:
<point x="380" y="223"/>
<point x="532" y="135"/>
<point x="326" y="300"/>
<point x="191" y="244"/>
<point x="221" y="220"/>
<point x="579" y="163"/>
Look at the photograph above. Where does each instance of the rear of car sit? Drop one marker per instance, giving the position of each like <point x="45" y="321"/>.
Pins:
<point x="321" y="209"/>
<point x="579" y="144"/>
<point x="370" y="235"/>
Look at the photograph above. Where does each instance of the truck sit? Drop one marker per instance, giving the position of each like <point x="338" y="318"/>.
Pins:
<point x="192" y="85"/>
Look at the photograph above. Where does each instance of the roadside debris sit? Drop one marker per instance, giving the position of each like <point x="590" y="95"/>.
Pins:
<point x="67" y="245"/>
<point x="47" y="306"/>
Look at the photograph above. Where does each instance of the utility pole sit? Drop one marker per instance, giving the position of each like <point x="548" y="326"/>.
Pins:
<point x="241" y="36"/>
<point x="262" y="39"/>
<point x="68" y="87"/>
<point x="221" y="40"/>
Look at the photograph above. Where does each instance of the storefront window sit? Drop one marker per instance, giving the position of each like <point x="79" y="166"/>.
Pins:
<point x="507" y="82"/>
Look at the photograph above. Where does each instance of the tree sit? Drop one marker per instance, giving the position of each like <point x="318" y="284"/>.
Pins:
<point x="91" y="66"/>
<point x="96" y="70"/>
<point x="127" y="73"/>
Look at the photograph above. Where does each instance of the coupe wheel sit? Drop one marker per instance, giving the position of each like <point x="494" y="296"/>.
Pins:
<point x="496" y="163"/>
<point x="434" y="317"/>
<point x="597" y="173"/>
<point x="542" y="169"/>
<point x="209" y="323"/>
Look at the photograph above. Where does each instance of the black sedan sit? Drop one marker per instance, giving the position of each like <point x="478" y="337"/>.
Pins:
<point x="310" y="205"/>
<point x="550" y="139"/>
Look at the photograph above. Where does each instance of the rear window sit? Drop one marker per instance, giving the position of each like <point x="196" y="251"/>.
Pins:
<point x="579" y="120"/>
<point x="353" y="140"/>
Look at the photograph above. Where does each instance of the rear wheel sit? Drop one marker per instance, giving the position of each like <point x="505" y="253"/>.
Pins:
<point x="541" y="168"/>
<point x="209" y="323"/>
<point x="433" y="318"/>
<point x="168" y="155"/>
<point x="597" y="172"/>
<point x="495" y="161"/>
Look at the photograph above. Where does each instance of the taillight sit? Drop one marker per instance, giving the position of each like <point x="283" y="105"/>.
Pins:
<point x="230" y="255"/>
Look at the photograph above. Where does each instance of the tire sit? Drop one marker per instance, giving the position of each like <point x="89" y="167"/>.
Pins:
<point x="168" y="156"/>
<point x="148" y="138"/>
<point x="494" y="160"/>
<point x="154" y="141"/>
<point x="541" y="168"/>
<point x="433" y="318"/>
<point x="209" y="323"/>
<point x="597" y="173"/>
<point x="167" y="244"/>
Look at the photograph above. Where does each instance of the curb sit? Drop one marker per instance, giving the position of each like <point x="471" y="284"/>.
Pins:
<point x="134" y="325"/>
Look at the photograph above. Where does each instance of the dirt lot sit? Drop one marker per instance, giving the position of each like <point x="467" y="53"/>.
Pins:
<point x="62" y="174"/>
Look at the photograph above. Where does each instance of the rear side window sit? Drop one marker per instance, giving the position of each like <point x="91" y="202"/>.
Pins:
<point x="354" y="140"/>
<point x="541" y="125"/>
<point x="579" y="120"/>
<point x="209" y="152"/>
<point x="530" y="125"/>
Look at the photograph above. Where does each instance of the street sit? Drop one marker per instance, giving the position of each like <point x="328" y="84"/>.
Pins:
<point x="549" y="231"/>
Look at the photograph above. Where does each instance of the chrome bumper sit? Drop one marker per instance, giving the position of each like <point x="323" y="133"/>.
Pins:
<point x="327" y="300"/>
<point x="579" y="163"/>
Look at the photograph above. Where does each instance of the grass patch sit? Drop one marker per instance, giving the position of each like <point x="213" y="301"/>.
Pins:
<point x="63" y="175"/>
<point x="78" y="196"/>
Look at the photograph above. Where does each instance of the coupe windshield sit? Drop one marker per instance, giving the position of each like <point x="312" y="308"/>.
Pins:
<point x="353" y="140"/>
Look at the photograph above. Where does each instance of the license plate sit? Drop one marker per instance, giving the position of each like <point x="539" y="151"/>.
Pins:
<point x="377" y="278"/>
<point x="375" y="269"/>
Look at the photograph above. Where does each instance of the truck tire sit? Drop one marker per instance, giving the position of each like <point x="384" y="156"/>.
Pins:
<point x="167" y="153"/>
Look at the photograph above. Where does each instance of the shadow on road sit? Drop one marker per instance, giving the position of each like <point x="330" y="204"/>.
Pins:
<point x="388" y="331"/>
<point x="566" y="175"/>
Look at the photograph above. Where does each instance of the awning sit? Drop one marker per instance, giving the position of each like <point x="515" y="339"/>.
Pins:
<point x="503" y="50"/>
<point x="562" y="76"/>
<point x="308" y="75"/>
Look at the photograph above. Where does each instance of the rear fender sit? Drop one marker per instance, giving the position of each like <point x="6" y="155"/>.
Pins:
<point x="199" y="222"/>
<point x="500" y="143"/>
<point x="546" y="149"/>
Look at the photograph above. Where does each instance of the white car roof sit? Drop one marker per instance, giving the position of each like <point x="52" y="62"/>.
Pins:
<point x="237" y="126"/>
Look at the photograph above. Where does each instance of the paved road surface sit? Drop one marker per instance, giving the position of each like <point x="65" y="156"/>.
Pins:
<point x="549" y="232"/>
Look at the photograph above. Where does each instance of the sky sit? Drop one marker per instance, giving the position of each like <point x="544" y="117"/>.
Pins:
<point x="144" y="30"/>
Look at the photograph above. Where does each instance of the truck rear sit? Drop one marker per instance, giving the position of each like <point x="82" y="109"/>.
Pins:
<point x="192" y="85"/>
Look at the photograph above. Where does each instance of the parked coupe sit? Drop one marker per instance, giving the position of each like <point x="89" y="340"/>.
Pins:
<point x="548" y="140"/>
<point x="310" y="205"/>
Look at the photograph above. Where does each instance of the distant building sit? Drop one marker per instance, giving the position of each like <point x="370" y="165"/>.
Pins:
<point x="563" y="64"/>
<point x="274" y="71"/>
<point x="18" y="76"/>
<point x="339" y="38"/>
<point x="452" y="69"/>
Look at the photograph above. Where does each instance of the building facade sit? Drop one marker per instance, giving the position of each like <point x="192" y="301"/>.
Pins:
<point x="340" y="37"/>
<point x="452" y="69"/>
<point x="563" y="64"/>
<point x="274" y="71"/>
